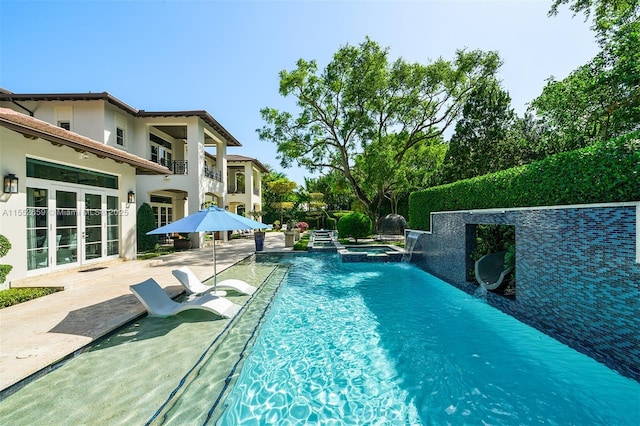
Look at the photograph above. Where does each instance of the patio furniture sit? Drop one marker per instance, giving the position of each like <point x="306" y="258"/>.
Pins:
<point x="159" y="304"/>
<point x="193" y="285"/>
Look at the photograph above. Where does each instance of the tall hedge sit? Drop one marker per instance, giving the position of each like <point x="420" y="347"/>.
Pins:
<point x="605" y="172"/>
<point x="146" y="221"/>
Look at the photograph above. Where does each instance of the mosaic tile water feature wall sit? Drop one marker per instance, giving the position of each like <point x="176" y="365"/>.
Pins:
<point x="578" y="274"/>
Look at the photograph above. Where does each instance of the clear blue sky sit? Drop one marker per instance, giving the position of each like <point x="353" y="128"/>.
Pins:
<point x="225" y="56"/>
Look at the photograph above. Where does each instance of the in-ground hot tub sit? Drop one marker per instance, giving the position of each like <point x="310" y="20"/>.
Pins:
<point x="371" y="253"/>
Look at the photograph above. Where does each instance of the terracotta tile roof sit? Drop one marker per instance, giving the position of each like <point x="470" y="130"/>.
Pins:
<point x="6" y="95"/>
<point x="241" y="158"/>
<point x="33" y="128"/>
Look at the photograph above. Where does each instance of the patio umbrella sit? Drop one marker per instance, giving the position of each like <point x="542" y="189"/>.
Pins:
<point x="210" y="219"/>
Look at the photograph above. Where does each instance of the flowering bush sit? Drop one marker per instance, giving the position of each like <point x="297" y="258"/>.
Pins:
<point x="303" y="226"/>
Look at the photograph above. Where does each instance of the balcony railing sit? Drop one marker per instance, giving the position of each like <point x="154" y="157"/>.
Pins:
<point x="235" y="191"/>
<point x="212" y="173"/>
<point x="178" y="167"/>
<point x="256" y="191"/>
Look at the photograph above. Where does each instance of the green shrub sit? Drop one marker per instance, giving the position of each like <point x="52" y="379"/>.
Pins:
<point x="301" y="244"/>
<point x="356" y="225"/>
<point x="146" y="221"/>
<point x="5" y="246"/>
<point x="13" y="296"/>
<point x="605" y="172"/>
<point x="338" y="214"/>
<point x="4" y="271"/>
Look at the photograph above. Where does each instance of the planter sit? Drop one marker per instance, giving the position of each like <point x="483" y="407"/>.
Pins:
<point x="258" y="236"/>
<point x="181" y="244"/>
<point x="289" y="238"/>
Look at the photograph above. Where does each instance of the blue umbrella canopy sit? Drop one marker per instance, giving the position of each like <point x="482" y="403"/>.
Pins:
<point x="210" y="219"/>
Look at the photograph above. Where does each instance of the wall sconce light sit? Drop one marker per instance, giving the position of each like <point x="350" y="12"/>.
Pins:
<point x="131" y="197"/>
<point x="10" y="184"/>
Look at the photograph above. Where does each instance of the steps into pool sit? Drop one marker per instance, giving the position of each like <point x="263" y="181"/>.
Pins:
<point x="323" y="241"/>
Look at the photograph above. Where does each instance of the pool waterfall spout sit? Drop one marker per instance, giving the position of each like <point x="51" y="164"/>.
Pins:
<point x="411" y="237"/>
<point x="481" y="292"/>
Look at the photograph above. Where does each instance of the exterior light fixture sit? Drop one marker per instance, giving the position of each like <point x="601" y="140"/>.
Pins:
<point x="10" y="184"/>
<point x="131" y="197"/>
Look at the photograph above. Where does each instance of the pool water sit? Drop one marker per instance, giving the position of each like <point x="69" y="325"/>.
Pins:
<point x="341" y="344"/>
<point x="350" y="343"/>
<point x="370" y="249"/>
<point x="154" y="370"/>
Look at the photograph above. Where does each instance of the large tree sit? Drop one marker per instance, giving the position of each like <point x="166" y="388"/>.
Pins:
<point x="336" y="194"/>
<point x="361" y="99"/>
<point x="608" y="15"/>
<point x="390" y="182"/>
<point x="482" y="140"/>
<point x="598" y="100"/>
<point x="277" y="195"/>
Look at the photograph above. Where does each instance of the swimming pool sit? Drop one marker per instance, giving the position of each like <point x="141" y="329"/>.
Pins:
<point x="390" y="344"/>
<point x="340" y="344"/>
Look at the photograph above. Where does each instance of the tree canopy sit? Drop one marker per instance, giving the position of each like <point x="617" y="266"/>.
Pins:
<point x="479" y="144"/>
<point x="367" y="118"/>
<point x="598" y="100"/>
<point x="607" y="14"/>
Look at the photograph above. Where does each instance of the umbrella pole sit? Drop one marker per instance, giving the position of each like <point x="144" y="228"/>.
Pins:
<point x="215" y="274"/>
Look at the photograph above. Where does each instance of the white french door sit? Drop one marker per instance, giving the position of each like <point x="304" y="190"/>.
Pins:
<point x="70" y="225"/>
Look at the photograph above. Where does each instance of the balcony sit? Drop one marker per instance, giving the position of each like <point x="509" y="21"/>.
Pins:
<point x="213" y="173"/>
<point x="178" y="167"/>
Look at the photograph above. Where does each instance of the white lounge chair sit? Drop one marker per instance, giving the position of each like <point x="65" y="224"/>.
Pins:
<point x="159" y="304"/>
<point x="193" y="285"/>
<point x="490" y="270"/>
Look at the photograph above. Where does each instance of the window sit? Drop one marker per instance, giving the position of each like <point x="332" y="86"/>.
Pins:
<point x="121" y="130"/>
<point x="120" y="136"/>
<point x="92" y="226"/>
<point x="64" y="114"/>
<point x="160" y="151"/>
<point x="66" y="227"/>
<point x="37" y="228"/>
<point x="45" y="170"/>
<point x="113" y="226"/>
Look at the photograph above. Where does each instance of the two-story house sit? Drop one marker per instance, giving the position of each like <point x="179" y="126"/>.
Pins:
<point x="244" y="183"/>
<point x="67" y="200"/>
<point x="190" y="146"/>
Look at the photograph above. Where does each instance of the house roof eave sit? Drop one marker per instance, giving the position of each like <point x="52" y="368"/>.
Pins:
<point x="24" y="125"/>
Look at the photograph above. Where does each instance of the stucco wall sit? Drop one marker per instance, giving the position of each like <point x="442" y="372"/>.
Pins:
<point x="577" y="267"/>
<point x="14" y="148"/>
